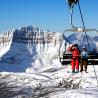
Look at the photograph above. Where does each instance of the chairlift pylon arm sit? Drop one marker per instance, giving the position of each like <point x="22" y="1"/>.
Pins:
<point x="71" y="12"/>
<point x="71" y="18"/>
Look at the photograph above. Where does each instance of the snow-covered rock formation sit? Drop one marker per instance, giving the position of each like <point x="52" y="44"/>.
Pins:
<point x="31" y="47"/>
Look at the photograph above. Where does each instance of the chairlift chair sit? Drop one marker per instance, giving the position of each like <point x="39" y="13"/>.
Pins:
<point x="65" y="58"/>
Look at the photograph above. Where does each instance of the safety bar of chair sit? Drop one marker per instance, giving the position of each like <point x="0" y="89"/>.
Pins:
<point x="80" y="29"/>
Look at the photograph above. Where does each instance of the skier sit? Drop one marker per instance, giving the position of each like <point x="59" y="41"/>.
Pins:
<point x="75" y="57"/>
<point x="84" y="60"/>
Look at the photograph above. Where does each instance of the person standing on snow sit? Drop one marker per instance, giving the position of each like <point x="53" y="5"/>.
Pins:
<point x="75" y="58"/>
<point x="84" y="60"/>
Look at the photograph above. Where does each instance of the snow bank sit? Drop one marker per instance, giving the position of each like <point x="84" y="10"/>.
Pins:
<point x="82" y="93"/>
<point x="49" y="83"/>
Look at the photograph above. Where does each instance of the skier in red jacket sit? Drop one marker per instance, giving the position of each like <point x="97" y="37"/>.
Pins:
<point x="75" y="58"/>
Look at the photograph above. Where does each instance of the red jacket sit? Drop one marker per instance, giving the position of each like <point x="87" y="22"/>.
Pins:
<point x="75" y="52"/>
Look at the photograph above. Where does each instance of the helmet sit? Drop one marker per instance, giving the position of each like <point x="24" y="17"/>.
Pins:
<point x="76" y="45"/>
<point x="84" y="48"/>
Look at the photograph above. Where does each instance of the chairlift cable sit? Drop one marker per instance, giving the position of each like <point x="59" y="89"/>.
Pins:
<point x="83" y="24"/>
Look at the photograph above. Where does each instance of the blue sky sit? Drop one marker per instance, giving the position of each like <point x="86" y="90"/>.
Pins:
<point x="50" y="15"/>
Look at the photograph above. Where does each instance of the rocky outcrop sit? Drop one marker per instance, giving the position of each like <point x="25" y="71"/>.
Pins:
<point x="32" y="47"/>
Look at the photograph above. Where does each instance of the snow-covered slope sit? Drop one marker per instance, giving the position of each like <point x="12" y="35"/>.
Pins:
<point x="50" y="83"/>
<point x="31" y="47"/>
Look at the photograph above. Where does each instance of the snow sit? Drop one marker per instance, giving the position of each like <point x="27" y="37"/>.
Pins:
<point x="33" y="70"/>
<point x="83" y="93"/>
<point x="58" y="83"/>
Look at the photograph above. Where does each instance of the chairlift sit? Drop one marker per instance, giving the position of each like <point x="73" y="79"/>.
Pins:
<point x="66" y="56"/>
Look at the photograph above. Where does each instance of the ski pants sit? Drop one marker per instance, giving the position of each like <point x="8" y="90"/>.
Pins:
<point x="75" y="64"/>
<point x="83" y="63"/>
